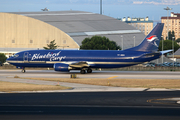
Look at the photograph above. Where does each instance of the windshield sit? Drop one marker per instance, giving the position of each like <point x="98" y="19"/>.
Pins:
<point x="16" y="55"/>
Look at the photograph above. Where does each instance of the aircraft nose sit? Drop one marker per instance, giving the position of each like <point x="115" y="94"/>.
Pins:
<point x="9" y="59"/>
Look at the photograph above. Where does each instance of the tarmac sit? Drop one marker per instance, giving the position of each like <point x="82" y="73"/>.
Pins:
<point x="75" y="87"/>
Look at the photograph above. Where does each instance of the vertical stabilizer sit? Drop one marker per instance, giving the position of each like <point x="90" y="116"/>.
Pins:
<point x="152" y="40"/>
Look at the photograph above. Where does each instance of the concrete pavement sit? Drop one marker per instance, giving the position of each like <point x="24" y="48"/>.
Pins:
<point x="76" y="87"/>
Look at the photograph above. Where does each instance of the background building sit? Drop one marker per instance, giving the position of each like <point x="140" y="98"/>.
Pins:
<point x="177" y="55"/>
<point x="143" y="24"/>
<point x="34" y="30"/>
<point x="172" y="23"/>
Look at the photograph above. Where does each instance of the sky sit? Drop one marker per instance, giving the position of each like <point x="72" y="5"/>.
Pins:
<point x="154" y="9"/>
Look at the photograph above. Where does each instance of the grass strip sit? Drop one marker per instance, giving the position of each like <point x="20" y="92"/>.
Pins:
<point x="11" y="86"/>
<point x="135" y="83"/>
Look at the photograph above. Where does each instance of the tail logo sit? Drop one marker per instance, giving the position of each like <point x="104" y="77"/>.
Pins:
<point x="152" y="39"/>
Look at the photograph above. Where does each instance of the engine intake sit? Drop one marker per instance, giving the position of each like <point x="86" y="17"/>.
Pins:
<point x="61" y="67"/>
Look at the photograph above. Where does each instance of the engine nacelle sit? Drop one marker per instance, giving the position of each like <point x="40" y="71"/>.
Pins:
<point x="61" y="67"/>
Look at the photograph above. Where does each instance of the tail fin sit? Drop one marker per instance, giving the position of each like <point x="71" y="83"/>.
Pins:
<point x="152" y="40"/>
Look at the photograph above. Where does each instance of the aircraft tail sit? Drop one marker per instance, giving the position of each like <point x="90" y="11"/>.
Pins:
<point x="151" y="41"/>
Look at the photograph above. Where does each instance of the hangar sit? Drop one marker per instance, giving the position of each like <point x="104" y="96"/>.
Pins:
<point x="34" y="30"/>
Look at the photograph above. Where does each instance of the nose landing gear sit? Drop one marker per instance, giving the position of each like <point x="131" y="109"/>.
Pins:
<point x="23" y="70"/>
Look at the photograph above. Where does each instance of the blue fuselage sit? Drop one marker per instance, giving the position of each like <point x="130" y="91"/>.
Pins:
<point x="94" y="58"/>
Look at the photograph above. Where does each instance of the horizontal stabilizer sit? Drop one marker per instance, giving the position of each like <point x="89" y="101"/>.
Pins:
<point x="165" y="51"/>
<point x="153" y="54"/>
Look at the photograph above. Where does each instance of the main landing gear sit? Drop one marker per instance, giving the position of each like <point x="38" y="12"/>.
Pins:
<point x="83" y="71"/>
<point x="89" y="70"/>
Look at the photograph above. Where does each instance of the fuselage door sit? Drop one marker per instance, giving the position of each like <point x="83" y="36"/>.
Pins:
<point x="26" y="56"/>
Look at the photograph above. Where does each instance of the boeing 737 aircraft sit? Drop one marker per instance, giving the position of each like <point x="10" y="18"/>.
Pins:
<point x="85" y="60"/>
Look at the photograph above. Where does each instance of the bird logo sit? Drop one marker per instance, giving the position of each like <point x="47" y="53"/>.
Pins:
<point x="152" y="39"/>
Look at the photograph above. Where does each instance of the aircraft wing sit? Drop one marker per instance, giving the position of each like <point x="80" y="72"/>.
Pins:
<point x="165" y="51"/>
<point x="79" y="65"/>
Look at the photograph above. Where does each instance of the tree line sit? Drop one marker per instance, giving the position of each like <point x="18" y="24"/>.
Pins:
<point x="169" y="42"/>
<point x="103" y="43"/>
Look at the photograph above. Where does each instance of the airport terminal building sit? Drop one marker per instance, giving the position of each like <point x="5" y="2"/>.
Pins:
<point x="33" y="30"/>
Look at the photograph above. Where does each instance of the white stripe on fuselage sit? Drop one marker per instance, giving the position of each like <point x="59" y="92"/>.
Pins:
<point x="53" y="62"/>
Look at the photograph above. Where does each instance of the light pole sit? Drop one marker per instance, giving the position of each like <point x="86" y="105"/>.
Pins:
<point x="173" y="49"/>
<point x="122" y="41"/>
<point x="162" y="47"/>
<point x="167" y="20"/>
<point x="134" y="40"/>
<point x="101" y="7"/>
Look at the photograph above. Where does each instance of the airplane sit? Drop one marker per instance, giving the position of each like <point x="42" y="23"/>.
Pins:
<point x="85" y="60"/>
<point x="45" y="9"/>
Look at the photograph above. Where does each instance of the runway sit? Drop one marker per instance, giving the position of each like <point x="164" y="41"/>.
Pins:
<point x="104" y="103"/>
<point x="89" y="105"/>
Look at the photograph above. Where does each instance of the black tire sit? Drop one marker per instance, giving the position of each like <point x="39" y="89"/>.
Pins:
<point x="83" y="71"/>
<point x="23" y="71"/>
<point x="89" y="71"/>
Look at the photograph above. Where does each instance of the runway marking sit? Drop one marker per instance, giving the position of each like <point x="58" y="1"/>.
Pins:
<point x="158" y="101"/>
<point x="112" y="77"/>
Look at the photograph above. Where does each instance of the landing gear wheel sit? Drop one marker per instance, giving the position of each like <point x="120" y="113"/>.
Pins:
<point x="23" y="71"/>
<point x="83" y="71"/>
<point x="89" y="71"/>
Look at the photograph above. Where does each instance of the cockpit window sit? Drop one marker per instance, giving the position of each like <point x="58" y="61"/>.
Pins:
<point x="16" y="55"/>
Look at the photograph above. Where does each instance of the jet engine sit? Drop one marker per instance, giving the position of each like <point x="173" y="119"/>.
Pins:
<point x="61" y="67"/>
